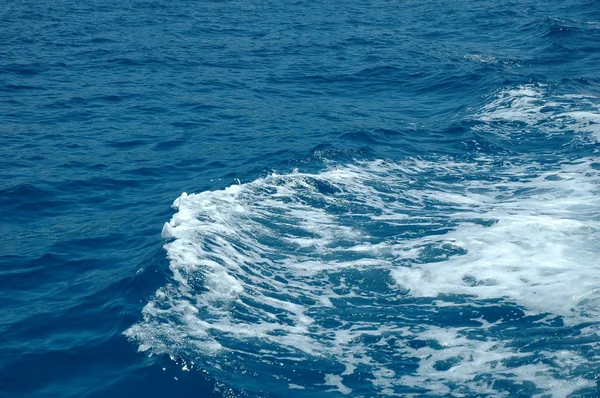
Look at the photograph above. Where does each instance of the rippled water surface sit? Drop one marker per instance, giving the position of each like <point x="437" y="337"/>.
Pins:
<point x="261" y="199"/>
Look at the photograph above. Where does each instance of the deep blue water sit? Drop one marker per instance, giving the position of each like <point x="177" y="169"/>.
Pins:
<point x="383" y="198"/>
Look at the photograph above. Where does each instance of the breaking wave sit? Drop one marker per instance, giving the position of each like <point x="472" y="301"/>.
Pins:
<point x="424" y="276"/>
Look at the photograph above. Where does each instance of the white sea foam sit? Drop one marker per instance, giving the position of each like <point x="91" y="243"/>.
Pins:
<point x="536" y="107"/>
<point x="359" y="265"/>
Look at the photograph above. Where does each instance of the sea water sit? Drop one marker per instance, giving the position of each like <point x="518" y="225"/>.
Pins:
<point x="260" y="199"/>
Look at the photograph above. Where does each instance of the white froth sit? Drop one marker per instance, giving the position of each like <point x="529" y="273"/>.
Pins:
<point x="336" y="381"/>
<point x="321" y="266"/>
<point x="535" y="107"/>
<point x="534" y="260"/>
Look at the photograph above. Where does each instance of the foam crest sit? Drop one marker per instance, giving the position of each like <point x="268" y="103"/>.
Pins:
<point x="410" y="278"/>
<point x="538" y="108"/>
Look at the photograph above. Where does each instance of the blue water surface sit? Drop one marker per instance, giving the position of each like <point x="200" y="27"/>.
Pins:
<point x="476" y="123"/>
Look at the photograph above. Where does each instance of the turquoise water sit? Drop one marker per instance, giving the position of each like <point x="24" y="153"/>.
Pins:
<point x="243" y="199"/>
